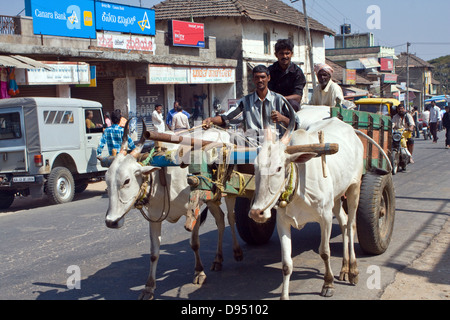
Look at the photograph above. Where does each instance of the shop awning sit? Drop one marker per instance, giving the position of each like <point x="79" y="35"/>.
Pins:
<point x="22" y="62"/>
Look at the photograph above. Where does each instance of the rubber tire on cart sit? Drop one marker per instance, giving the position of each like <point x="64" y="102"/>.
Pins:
<point x="60" y="186"/>
<point x="250" y="231"/>
<point x="376" y="213"/>
<point x="6" y="199"/>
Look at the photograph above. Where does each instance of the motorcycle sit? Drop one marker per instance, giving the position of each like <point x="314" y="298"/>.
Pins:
<point x="401" y="155"/>
<point x="426" y="131"/>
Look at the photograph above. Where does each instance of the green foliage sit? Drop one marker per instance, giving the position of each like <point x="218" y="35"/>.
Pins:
<point x="441" y="72"/>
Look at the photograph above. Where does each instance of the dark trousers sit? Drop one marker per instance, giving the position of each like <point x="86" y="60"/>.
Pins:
<point x="433" y="129"/>
<point x="447" y="136"/>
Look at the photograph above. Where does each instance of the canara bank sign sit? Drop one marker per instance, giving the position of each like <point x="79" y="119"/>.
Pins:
<point x="66" y="18"/>
<point x="81" y="18"/>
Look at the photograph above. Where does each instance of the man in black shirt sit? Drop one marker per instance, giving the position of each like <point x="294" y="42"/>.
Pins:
<point x="286" y="77"/>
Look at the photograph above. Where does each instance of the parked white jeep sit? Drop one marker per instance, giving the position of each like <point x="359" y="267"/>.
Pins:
<point x="48" y="147"/>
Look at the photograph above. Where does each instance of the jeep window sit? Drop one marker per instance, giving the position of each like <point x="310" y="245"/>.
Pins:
<point x="58" y="117"/>
<point x="94" y="120"/>
<point x="10" y="126"/>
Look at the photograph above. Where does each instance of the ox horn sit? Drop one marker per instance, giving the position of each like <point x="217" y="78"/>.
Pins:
<point x="137" y="150"/>
<point x="124" y="147"/>
<point x="266" y="124"/>
<point x="290" y="129"/>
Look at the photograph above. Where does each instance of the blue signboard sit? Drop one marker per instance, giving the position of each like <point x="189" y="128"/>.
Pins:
<point x="126" y="19"/>
<point x="68" y="18"/>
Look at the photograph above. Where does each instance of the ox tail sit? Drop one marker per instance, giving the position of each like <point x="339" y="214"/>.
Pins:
<point x="203" y="215"/>
<point x="377" y="146"/>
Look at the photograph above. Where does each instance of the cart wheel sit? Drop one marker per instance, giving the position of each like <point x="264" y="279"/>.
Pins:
<point x="376" y="213"/>
<point x="6" y="199"/>
<point x="60" y="186"/>
<point x="250" y="231"/>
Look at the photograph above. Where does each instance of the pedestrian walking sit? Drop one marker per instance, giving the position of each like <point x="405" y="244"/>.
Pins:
<point x="446" y="125"/>
<point x="415" y="115"/>
<point x="435" y="118"/>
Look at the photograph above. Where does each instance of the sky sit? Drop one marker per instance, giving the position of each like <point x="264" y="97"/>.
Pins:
<point x="425" y="24"/>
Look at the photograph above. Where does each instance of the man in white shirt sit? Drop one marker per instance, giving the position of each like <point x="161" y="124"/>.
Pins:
<point x="435" y="117"/>
<point x="327" y="92"/>
<point x="180" y="121"/>
<point x="157" y="119"/>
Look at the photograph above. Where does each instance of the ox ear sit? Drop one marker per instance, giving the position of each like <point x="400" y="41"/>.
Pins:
<point x="300" y="157"/>
<point x="147" y="170"/>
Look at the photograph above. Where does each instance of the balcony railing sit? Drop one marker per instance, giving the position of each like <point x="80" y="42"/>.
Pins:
<point x="9" y="25"/>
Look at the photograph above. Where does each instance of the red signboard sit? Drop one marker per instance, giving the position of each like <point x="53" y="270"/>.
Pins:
<point x="188" y="34"/>
<point x="386" y="64"/>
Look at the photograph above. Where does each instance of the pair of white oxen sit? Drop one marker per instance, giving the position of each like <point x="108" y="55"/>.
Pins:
<point x="316" y="198"/>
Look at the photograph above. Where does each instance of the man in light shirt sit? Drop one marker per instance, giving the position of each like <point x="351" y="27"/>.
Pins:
<point x="180" y="121"/>
<point x="157" y="119"/>
<point x="435" y="117"/>
<point x="327" y="92"/>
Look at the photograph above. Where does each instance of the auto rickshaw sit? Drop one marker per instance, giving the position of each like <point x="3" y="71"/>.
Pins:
<point x="383" y="106"/>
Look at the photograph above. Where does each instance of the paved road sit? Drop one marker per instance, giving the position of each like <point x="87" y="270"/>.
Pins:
<point x="40" y="242"/>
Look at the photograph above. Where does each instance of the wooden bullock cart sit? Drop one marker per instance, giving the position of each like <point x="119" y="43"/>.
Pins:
<point x="376" y="211"/>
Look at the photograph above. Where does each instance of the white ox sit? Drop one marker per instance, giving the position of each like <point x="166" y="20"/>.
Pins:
<point x="315" y="198"/>
<point x="166" y="201"/>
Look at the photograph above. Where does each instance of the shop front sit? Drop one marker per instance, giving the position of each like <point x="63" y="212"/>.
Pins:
<point x="201" y="91"/>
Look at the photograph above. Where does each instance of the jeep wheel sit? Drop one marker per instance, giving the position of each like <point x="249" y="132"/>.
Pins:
<point x="60" y="186"/>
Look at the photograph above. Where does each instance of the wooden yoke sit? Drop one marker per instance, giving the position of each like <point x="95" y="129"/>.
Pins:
<point x="175" y="139"/>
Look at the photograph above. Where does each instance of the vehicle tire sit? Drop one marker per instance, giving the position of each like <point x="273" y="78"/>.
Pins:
<point x="6" y="199"/>
<point x="376" y="213"/>
<point x="250" y="231"/>
<point x="60" y="186"/>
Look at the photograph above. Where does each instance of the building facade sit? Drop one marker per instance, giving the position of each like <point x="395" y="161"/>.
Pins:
<point x="247" y="30"/>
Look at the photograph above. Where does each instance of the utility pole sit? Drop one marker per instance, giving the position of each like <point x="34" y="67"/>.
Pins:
<point x="308" y="41"/>
<point x="407" y="75"/>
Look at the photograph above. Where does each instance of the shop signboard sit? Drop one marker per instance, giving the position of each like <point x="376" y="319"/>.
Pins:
<point x="67" y="18"/>
<point x="167" y="75"/>
<point x="212" y="75"/>
<point x="189" y="75"/>
<point x="61" y="73"/>
<point x="126" y="19"/>
<point x="390" y="78"/>
<point x="126" y="42"/>
<point x="349" y="77"/>
<point x="187" y="34"/>
<point x="386" y="64"/>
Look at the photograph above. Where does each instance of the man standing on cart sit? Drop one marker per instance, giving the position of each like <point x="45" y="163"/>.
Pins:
<point x="286" y="78"/>
<point x="249" y="109"/>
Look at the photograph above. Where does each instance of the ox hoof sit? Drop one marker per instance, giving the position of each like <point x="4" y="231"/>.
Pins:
<point x="238" y="254"/>
<point x="199" y="278"/>
<point x="353" y="278"/>
<point x="216" y="266"/>
<point x="343" y="276"/>
<point x="327" y="291"/>
<point x="146" y="294"/>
